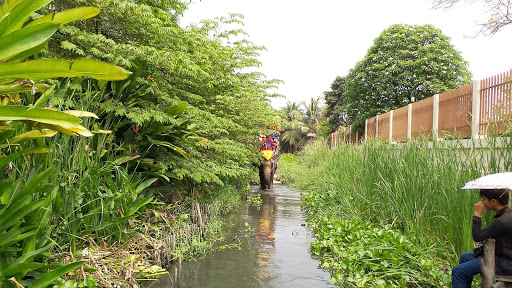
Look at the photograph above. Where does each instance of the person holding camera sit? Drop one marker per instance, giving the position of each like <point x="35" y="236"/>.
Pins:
<point x="501" y="229"/>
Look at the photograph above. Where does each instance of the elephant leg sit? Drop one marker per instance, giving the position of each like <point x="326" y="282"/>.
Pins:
<point x="271" y="182"/>
<point x="267" y="174"/>
<point x="262" y="178"/>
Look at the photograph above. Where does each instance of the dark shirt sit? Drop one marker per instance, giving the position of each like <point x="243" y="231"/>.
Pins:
<point x="501" y="230"/>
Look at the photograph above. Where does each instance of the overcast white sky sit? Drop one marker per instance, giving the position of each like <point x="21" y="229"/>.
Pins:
<point x="309" y="43"/>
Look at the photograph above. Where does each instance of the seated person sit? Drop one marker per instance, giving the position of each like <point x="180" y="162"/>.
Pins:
<point x="500" y="229"/>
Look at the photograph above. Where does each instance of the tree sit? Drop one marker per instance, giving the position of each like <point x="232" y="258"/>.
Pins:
<point x="334" y="111"/>
<point x="405" y="63"/>
<point x="500" y="14"/>
<point x="299" y="123"/>
<point x="312" y="114"/>
<point x="290" y="109"/>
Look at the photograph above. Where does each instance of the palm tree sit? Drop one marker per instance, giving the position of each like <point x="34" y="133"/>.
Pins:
<point x="299" y="123"/>
<point x="290" y="109"/>
<point x="312" y="114"/>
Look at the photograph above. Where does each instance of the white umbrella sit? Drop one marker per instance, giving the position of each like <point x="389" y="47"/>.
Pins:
<point x="492" y="181"/>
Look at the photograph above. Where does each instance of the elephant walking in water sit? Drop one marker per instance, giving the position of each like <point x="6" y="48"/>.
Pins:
<point x="268" y="168"/>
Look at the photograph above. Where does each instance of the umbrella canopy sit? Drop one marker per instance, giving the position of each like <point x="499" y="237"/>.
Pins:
<point x="492" y="181"/>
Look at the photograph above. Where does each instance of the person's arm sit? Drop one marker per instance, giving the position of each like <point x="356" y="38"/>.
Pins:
<point x="492" y="231"/>
<point x="480" y="234"/>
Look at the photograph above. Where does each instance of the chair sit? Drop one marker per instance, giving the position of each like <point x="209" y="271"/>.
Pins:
<point x="489" y="277"/>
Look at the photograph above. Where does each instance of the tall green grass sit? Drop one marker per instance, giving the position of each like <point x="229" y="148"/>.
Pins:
<point x="414" y="186"/>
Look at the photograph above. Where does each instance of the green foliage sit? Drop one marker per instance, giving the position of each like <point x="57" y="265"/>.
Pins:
<point x="203" y="66"/>
<point x="361" y="254"/>
<point x="334" y="111"/>
<point x="98" y="196"/>
<point x="24" y="224"/>
<point x="301" y="119"/>
<point x="26" y="204"/>
<point x="406" y="62"/>
<point x="21" y="40"/>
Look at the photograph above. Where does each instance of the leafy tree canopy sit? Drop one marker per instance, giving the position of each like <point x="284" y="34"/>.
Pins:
<point x="405" y="63"/>
<point x="334" y="110"/>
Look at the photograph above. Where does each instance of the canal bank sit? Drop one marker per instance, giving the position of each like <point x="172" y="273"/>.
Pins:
<point x="267" y="246"/>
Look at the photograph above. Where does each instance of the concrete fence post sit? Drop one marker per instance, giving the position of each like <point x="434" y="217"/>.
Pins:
<point x="365" y="129"/>
<point x="376" y="126"/>
<point x="390" y="137"/>
<point x="475" y="110"/>
<point x="435" y="117"/>
<point x="409" y="121"/>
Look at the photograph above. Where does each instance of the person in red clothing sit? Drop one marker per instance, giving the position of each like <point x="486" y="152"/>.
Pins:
<point x="267" y="143"/>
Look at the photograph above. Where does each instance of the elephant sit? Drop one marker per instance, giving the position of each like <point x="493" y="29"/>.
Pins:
<point x="267" y="171"/>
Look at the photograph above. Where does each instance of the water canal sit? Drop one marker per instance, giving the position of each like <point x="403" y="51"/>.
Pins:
<point x="268" y="247"/>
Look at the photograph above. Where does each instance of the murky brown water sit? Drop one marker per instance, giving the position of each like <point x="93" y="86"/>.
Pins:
<point x="272" y="251"/>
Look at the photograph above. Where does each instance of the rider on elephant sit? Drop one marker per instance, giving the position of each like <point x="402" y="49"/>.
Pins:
<point x="268" y="144"/>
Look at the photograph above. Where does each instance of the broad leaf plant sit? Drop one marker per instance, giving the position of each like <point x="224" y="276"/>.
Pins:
<point x="23" y="220"/>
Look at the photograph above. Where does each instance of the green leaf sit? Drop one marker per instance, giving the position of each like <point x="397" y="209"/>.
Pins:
<point x="10" y="250"/>
<point x="79" y="129"/>
<point x="5" y="185"/>
<point x="25" y="39"/>
<point x="16" y="212"/>
<point x="124" y="159"/>
<point x="79" y="113"/>
<point x="7" y="6"/>
<point x="43" y="100"/>
<point x="15" y="268"/>
<point x="138" y="204"/>
<point x="43" y="223"/>
<point x="27" y="53"/>
<point x="67" y="16"/>
<point x="54" y="68"/>
<point x="32" y="185"/>
<point x="11" y="113"/>
<point x="8" y="236"/>
<point x="49" y="277"/>
<point x="170" y="146"/>
<point x="24" y="258"/>
<point x="177" y="109"/>
<point x="145" y="185"/>
<point x="19" y="14"/>
<point x="27" y="136"/>
<point x="17" y="239"/>
<point x="6" y="89"/>
<point x="5" y="160"/>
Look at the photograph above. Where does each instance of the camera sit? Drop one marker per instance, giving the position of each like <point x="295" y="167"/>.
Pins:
<point x="478" y="251"/>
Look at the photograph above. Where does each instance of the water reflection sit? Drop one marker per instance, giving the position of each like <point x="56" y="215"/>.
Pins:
<point x="265" y="239"/>
<point x="271" y="250"/>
